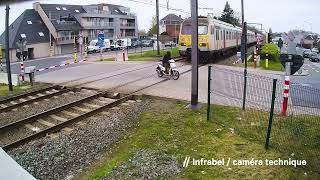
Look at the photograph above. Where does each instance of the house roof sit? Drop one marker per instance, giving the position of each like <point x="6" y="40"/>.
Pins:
<point x="30" y="24"/>
<point x="63" y="11"/>
<point x="113" y="9"/>
<point x="172" y="18"/>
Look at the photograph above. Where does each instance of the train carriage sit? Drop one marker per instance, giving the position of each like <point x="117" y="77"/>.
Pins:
<point x="215" y="37"/>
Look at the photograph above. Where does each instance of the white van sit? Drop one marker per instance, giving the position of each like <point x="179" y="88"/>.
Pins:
<point x="94" y="46"/>
<point x="121" y="43"/>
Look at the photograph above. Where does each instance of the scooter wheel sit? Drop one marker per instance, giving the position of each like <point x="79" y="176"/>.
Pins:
<point x="159" y="72"/>
<point x="175" y="75"/>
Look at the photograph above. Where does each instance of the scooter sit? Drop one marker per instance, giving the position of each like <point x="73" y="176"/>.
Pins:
<point x="173" y="71"/>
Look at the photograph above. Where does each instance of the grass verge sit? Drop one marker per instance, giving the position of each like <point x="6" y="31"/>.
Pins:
<point x="273" y="66"/>
<point x="182" y="132"/>
<point x="4" y="89"/>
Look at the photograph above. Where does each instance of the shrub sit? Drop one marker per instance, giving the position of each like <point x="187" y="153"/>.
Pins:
<point x="273" y="52"/>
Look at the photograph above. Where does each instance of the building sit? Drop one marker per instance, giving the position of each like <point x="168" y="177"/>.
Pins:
<point x="30" y="27"/>
<point x="171" y="24"/>
<point x="66" y="22"/>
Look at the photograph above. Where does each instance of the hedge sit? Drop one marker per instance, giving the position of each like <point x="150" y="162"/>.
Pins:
<point x="273" y="52"/>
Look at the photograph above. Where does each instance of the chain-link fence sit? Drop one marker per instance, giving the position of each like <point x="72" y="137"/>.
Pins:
<point x="295" y="132"/>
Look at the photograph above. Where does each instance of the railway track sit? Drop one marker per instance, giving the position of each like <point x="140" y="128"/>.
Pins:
<point x="17" y="133"/>
<point x="54" y="90"/>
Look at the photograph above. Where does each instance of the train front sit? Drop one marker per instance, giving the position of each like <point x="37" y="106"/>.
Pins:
<point x="185" y="40"/>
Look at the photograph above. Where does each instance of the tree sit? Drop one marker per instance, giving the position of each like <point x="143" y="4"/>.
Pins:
<point x="142" y="33"/>
<point x="153" y="28"/>
<point x="228" y="15"/>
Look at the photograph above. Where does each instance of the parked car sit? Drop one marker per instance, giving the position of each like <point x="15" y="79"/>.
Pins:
<point x="315" y="50"/>
<point x="306" y="53"/>
<point x="147" y="43"/>
<point x="136" y="43"/>
<point x="170" y="44"/>
<point x="314" y="57"/>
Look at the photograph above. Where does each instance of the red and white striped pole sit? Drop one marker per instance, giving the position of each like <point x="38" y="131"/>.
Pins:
<point x="255" y="58"/>
<point x="286" y="87"/>
<point x="123" y="55"/>
<point x="285" y="95"/>
<point x="22" y="71"/>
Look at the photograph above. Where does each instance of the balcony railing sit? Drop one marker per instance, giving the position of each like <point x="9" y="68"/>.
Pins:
<point x="98" y="24"/>
<point x="127" y="24"/>
<point x="66" y="22"/>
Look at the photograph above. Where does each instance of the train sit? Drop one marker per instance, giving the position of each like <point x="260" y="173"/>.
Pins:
<point x="215" y="37"/>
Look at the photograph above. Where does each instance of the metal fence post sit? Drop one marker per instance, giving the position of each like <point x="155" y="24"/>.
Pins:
<point x="209" y="92"/>
<point x="271" y="112"/>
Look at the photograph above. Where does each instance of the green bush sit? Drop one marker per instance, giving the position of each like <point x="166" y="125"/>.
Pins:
<point x="273" y="52"/>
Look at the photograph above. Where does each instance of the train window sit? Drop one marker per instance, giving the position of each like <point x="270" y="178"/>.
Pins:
<point x="203" y="29"/>
<point x="217" y="35"/>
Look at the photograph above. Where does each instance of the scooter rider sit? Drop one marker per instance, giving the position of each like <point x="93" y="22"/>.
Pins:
<point x="165" y="61"/>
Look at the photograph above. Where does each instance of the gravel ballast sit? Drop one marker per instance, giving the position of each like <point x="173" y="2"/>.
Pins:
<point x="67" y="154"/>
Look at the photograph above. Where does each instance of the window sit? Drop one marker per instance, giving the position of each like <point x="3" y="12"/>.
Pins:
<point x="64" y="8"/>
<point x="29" y="22"/>
<point x="58" y="8"/>
<point x="23" y="35"/>
<point x="77" y="10"/>
<point x="41" y="34"/>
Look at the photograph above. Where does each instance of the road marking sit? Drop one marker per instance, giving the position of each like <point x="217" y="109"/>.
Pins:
<point x="46" y="123"/>
<point x="32" y="128"/>
<point x="81" y="109"/>
<point x="131" y="101"/>
<point x="58" y="118"/>
<point x="70" y="113"/>
<point x="39" y="94"/>
<point x="91" y="105"/>
<point x="125" y="104"/>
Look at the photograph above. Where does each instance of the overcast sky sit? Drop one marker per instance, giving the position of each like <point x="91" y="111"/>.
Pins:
<point x="280" y="15"/>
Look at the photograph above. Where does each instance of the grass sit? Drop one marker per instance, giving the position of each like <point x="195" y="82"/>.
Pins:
<point x="181" y="132"/>
<point x="4" y="89"/>
<point x="274" y="66"/>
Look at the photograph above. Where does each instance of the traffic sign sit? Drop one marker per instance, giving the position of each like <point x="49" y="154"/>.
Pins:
<point x="101" y="39"/>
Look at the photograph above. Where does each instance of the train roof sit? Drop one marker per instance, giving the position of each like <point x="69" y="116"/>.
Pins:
<point x="220" y="23"/>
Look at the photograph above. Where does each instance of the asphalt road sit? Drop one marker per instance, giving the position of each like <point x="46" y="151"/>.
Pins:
<point x="57" y="60"/>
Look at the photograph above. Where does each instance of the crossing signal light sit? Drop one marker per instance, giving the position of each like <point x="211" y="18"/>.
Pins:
<point x="269" y="38"/>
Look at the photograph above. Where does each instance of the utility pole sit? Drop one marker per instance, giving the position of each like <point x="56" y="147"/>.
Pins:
<point x="244" y="56"/>
<point x="194" y="54"/>
<point x="157" y="14"/>
<point x="7" y="49"/>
